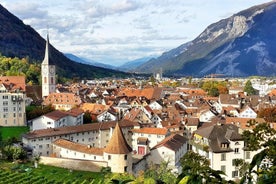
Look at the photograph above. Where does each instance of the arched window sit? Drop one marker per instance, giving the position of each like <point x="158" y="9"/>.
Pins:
<point x="52" y="80"/>
<point x="45" y="80"/>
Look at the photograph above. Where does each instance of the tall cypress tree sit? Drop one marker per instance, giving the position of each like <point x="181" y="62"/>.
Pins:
<point x="248" y="88"/>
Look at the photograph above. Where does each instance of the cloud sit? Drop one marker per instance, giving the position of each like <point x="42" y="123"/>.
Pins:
<point x="27" y="10"/>
<point x="97" y="9"/>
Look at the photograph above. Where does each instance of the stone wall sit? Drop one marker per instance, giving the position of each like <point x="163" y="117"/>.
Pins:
<point x="74" y="164"/>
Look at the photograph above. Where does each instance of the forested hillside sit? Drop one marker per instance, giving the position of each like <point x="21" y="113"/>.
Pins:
<point x="15" y="66"/>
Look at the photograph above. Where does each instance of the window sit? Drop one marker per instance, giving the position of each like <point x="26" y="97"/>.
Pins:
<point x="223" y="168"/>
<point x="109" y="157"/>
<point x="247" y="155"/>
<point x="236" y="150"/>
<point x="45" y="80"/>
<point x="235" y="174"/>
<point x="125" y="157"/>
<point x="125" y="169"/>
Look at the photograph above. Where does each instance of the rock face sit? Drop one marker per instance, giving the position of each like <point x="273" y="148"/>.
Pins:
<point x="241" y="45"/>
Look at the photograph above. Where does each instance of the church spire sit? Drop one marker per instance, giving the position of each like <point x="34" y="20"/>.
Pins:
<point x="47" y="57"/>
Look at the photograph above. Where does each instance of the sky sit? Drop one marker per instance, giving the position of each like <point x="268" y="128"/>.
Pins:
<point x="116" y="31"/>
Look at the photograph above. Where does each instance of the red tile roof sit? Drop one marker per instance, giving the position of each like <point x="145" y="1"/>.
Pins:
<point x="78" y="147"/>
<point x="62" y="98"/>
<point x="149" y="130"/>
<point x="149" y="93"/>
<point x="13" y="82"/>
<point x="77" y="129"/>
<point x="173" y="142"/>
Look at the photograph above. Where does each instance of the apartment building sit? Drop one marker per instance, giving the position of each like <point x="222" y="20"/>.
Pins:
<point x="12" y="101"/>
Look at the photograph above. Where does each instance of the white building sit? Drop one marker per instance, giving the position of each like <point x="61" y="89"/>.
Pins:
<point x="222" y="145"/>
<point x="12" y="101"/>
<point x="145" y="138"/>
<point x="116" y="155"/>
<point x="57" y="119"/>
<point x="170" y="150"/>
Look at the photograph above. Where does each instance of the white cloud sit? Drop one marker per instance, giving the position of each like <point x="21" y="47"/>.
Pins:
<point x="120" y="30"/>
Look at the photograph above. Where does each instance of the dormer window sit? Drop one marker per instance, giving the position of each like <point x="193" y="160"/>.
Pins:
<point x="224" y="145"/>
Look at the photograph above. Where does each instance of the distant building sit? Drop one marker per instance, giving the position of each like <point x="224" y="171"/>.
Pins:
<point x="48" y="72"/>
<point x="57" y="119"/>
<point x="12" y="101"/>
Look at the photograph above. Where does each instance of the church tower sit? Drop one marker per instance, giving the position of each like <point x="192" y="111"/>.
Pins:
<point x="48" y="72"/>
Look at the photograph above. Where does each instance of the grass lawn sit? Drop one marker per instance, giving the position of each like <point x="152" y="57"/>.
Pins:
<point x="9" y="132"/>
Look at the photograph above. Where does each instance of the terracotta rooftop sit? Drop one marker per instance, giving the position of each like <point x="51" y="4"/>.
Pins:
<point x="173" y="142"/>
<point x="77" y="129"/>
<point x="13" y="82"/>
<point x="56" y="115"/>
<point x="117" y="144"/>
<point x="242" y="122"/>
<point x="149" y="130"/>
<point x="62" y="98"/>
<point x="149" y="93"/>
<point x="94" y="108"/>
<point x="78" y="147"/>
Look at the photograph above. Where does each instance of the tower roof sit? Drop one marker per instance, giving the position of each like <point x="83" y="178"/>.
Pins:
<point x="47" y="58"/>
<point x="117" y="143"/>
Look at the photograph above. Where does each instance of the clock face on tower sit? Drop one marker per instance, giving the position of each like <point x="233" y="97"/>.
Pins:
<point x="52" y="70"/>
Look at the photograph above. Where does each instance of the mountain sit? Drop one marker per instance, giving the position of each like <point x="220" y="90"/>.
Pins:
<point x="131" y="65"/>
<point x="241" y="45"/>
<point x="20" y="40"/>
<point x="88" y="61"/>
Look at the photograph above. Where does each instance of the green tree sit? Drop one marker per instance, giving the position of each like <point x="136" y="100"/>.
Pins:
<point x="36" y="111"/>
<point x="160" y="173"/>
<point x="213" y="92"/>
<point x="12" y="153"/>
<point x="87" y="117"/>
<point x="196" y="169"/>
<point x="248" y="88"/>
<point x="262" y="137"/>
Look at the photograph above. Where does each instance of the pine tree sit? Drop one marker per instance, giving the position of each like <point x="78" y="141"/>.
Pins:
<point x="248" y="88"/>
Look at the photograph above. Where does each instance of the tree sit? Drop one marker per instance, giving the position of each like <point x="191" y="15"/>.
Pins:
<point x="160" y="173"/>
<point x="269" y="114"/>
<point x="87" y="117"/>
<point x="12" y="153"/>
<point x="213" y="92"/>
<point x="262" y="137"/>
<point x="196" y="169"/>
<point x="248" y="88"/>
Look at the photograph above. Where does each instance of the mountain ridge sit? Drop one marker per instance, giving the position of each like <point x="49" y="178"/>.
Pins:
<point x="20" y="40"/>
<point x="218" y="48"/>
